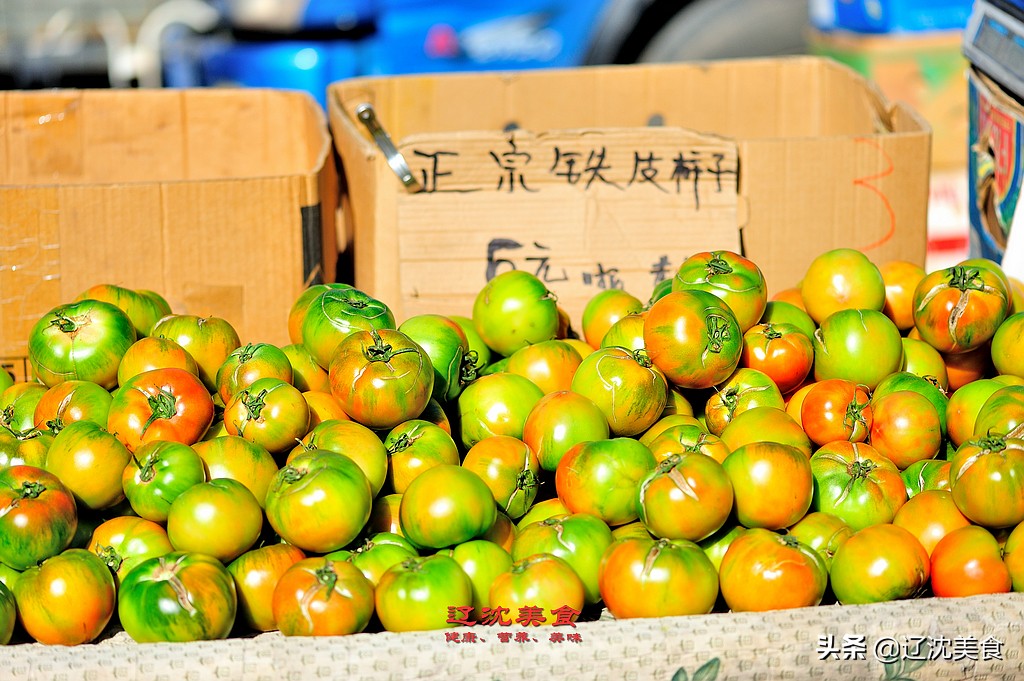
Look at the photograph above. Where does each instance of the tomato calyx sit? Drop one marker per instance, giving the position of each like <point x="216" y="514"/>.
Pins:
<point x="642" y="358"/>
<point x="990" y="444"/>
<point x="854" y="415"/>
<point x="31" y="489"/>
<point x="110" y="557"/>
<point x="771" y="333"/>
<point x="55" y="425"/>
<point x="468" y="371"/>
<point x="718" y="265"/>
<point x="254" y="404"/>
<point x="246" y="353"/>
<point x="861" y="468"/>
<point x="381" y="351"/>
<point x="161" y="406"/>
<point x="718" y="332"/>
<point x="965" y="278"/>
<point x="291" y="474"/>
<point x="401" y="443"/>
<point x="327" y="577"/>
<point x="64" y="323"/>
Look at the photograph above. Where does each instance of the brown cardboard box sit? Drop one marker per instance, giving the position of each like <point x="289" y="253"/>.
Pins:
<point x="221" y="200"/>
<point x="925" y="70"/>
<point x="604" y="176"/>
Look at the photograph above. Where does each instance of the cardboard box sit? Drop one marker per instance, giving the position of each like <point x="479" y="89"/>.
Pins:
<point x="996" y="173"/>
<point x="603" y="176"/>
<point x="925" y="70"/>
<point x="221" y="200"/>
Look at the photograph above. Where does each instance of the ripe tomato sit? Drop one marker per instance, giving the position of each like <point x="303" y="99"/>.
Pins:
<point x="84" y="340"/>
<point x="968" y="561"/>
<point x="125" y="541"/>
<point x="38" y="517"/>
<point x="765" y="424"/>
<point x="25" y="447"/>
<point x="208" y="339"/>
<point x="763" y="570"/>
<point x="560" y="420"/>
<point x="905" y="428"/>
<point x="8" y="614"/>
<point x="782" y="312"/>
<point x="322" y="597"/>
<point x="627" y="333"/>
<point x="503" y="532"/>
<point x="158" y="473"/>
<point x="18" y="404"/>
<point x="685" y="497"/>
<point x="509" y="468"/>
<point x="965" y="367"/>
<point x="602" y="477"/>
<point x="657" y="578"/>
<point x="693" y="338"/>
<point x="930" y="515"/>
<point x="151" y="353"/>
<point x="841" y="279"/>
<point x="1007" y="348"/>
<point x="541" y="583"/>
<point x="69" y="402"/>
<point x="384" y="514"/>
<point x="161" y="404"/>
<point x="823" y="532"/>
<point x="236" y="458"/>
<point x="419" y="593"/>
<point x="515" y="309"/>
<point x="688" y="439"/>
<point x="879" y="563"/>
<point x="178" y="597"/>
<point x="744" y="390"/>
<point x="603" y="310"/>
<point x="334" y="313"/>
<point x="66" y="600"/>
<point x="963" y="407"/>
<point x="904" y="380"/>
<point x="550" y="364"/>
<point x="319" y="502"/>
<point x="855" y="483"/>
<point x="307" y="375"/>
<point x="781" y="351"/>
<point x="625" y="386"/>
<point x="729" y="276"/>
<point x="1013" y="555"/>
<point x="836" y="409"/>
<point x="901" y="279"/>
<point x="144" y="308"/>
<point x="1002" y="413"/>
<point x="220" y="518"/>
<point x="446" y="344"/>
<point x="580" y="539"/>
<point x="414" y="446"/>
<point x="771" y="482"/>
<point x="353" y="440"/>
<point x="90" y="462"/>
<point x="986" y="477"/>
<point x="446" y="505"/>
<point x="959" y="308"/>
<point x="542" y="510"/>
<point x="248" y="363"/>
<point x="256" y="574"/>
<point x="923" y="360"/>
<point x="497" y="404"/>
<point x="270" y="413"/>
<point x="862" y="346"/>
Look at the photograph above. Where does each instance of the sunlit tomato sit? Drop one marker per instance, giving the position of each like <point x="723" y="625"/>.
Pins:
<point x="862" y="346"/>
<point x="8" y="614"/>
<point x="270" y="413"/>
<point x="795" y="402"/>
<point x="1002" y="413"/>
<point x="161" y="404"/>
<point x="605" y="308"/>
<point x="322" y="597"/>
<point x="151" y="353"/>
<point x="763" y="570"/>
<point x="677" y="404"/>
<point x="823" y="532"/>
<point x="178" y="597"/>
<point x="38" y="516"/>
<point x="445" y="343"/>
<point x="790" y="295"/>
<point x="515" y="309"/>
<point x="930" y="515"/>
<point x="208" y="339"/>
<point x="923" y="360"/>
<point x="301" y="306"/>
<point x="144" y="308"/>
<point x="1008" y="346"/>
<point x="657" y="578"/>
<point x="626" y="333"/>
<point x="125" y="541"/>
<point x="959" y="308"/>
<point x="693" y="338"/>
<point x="626" y="386"/>
<point x="965" y="367"/>
<point x="744" y="390"/>
<point x="765" y="424"/>
<point x="542" y="510"/>
<point x="384" y="514"/>
<point x="560" y="420"/>
<point x="353" y="440"/>
<point x="419" y="594"/>
<point x="926" y="387"/>
<point x="238" y="459"/>
<point x="968" y="561"/>
<point x="855" y="483"/>
<point x="319" y="502"/>
<point x="986" y="477"/>
<point x="781" y="312"/>
<point x="771" y="482"/>
<point x="550" y="364"/>
<point x="381" y="378"/>
<point x="901" y="278"/>
<point x="580" y="539"/>
<point x="24" y="447"/>
<point x="541" y="588"/>
<point x="66" y="600"/>
<point x="337" y="312"/>
<point x="256" y="574"/>
<point x="781" y="351"/>
<point x="380" y="552"/>
<point x="925" y="475"/>
<point x="323" y="407"/>
<point x="446" y="505"/>
<point x="498" y="404"/>
<point x="69" y="402"/>
<point x="905" y="428"/>
<point x="503" y="532"/>
<point x="90" y="462"/>
<point x="666" y="422"/>
<point x="307" y="375"/>
<point x="963" y="407"/>
<point x="602" y="477"/>
<point x="482" y="561"/>
<point x="248" y="363"/>
<point x="685" y="497"/>
<point x="841" y="279"/>
<point x="18" y="404"/>
<point x="836" y="409"/>
<point x="158" y="473"/>
<point x="729" y="276"/>
<point x="84" y="340"/>
<point x="509" y="468"/>
<point x="413" y="447"/>
<point x="479" y="355"/>
<point x="879" y="563"/>
<point x="1013" y="557"/>
<point x="688" y="439"/>
<point x="220" y="518"/>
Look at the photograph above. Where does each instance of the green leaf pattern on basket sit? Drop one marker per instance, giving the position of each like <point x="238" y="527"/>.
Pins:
<point x="706" y="672"/>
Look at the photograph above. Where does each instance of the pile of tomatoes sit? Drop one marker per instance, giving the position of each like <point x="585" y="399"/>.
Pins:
<point x="856" y="439"/>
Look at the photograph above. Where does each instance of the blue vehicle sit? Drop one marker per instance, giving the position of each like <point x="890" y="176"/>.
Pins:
<point x="307" y="44"/>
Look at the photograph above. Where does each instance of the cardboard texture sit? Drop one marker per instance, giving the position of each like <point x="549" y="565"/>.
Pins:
<point x="611" y="176"/>
<point x="995" y="174"/>
<point x="221" y="200"/>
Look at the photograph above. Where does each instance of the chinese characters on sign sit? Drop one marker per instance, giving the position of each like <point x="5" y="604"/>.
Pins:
<point x="527" y="617"/>
<point x="888" y="649"/>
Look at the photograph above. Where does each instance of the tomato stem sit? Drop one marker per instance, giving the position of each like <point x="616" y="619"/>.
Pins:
<point x="63" y="322"/>
<point x="771" y="333"/>
<point x="255" y="403"/>
<point x="31" y="489"/>
<point x="964" y="278"/>
<point x="642" y="358"/>
<point x="292" y="474"/>
<point x="718" y="265"/>
<point x="326" y="575"/>
<point x="110" y="557"/>
<point x="246" y="353"/>
<point x="55" y="425"/>
<point x="467" y="371"/>
<point x="161" y="406"/>
<point x="147" y="472"/>
<point x="718" y="332"/>
<point x="401" y="444"/>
